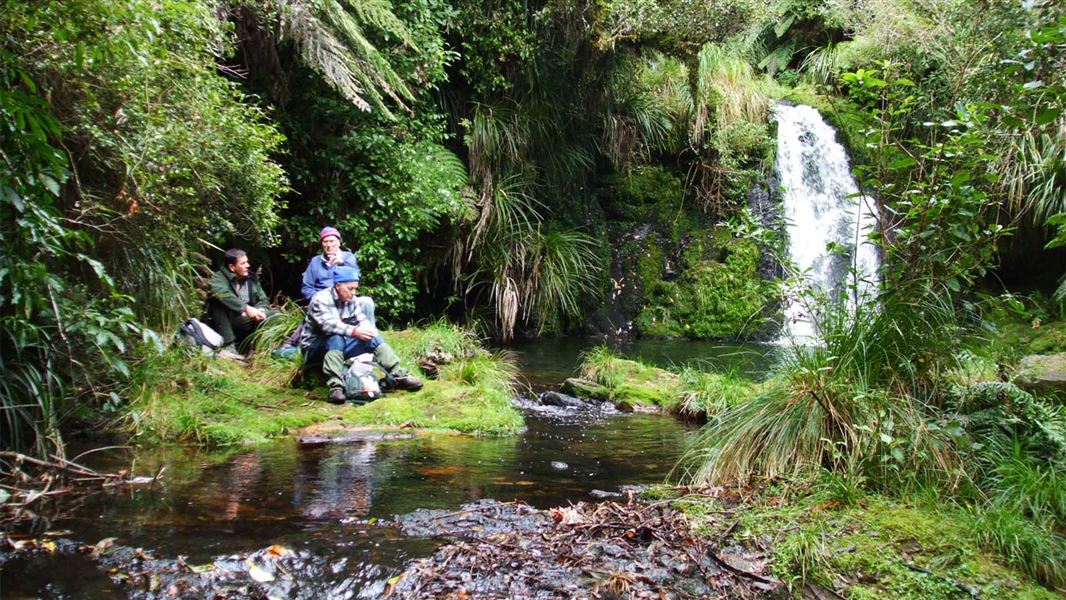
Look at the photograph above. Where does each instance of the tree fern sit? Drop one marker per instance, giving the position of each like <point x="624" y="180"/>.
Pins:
<point x="331" y="40"/>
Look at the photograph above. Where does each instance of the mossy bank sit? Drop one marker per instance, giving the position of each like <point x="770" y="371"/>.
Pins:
<point x="186" y="397"/>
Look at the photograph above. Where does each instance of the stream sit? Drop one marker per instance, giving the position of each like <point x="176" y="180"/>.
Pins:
<point x="335" y="503"/>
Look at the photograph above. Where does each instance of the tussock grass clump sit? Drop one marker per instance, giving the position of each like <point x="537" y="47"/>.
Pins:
<point x="787" y="432"/>
<point x="858" y="403"/>
<point x="711" y="393"/>
<point x="440" y="337"/>
<point x="631" y="381"/>
<point x="186" y="396"/>
<point x="275" y="330"/>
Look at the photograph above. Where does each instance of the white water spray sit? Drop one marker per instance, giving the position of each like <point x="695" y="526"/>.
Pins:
<point x="828" y="221"/>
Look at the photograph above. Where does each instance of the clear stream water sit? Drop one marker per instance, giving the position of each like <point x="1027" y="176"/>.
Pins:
<point x="335" y="501"/>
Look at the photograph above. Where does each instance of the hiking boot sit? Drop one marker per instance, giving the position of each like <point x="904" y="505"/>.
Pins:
<point x="336" y="396"/>
<point x="407" y="382"/>
<point x="230" y="353"/>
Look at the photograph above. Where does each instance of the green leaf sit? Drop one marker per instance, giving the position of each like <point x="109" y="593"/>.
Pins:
<point x="953" y="284"/>
<point x="1048" y="115"/>
<point x="902" y="163"/>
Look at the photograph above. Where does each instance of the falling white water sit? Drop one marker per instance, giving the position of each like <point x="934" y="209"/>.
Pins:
<point x="828" y="222"/>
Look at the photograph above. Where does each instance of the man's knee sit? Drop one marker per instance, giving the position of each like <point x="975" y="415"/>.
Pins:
<point x="335" y="342"/>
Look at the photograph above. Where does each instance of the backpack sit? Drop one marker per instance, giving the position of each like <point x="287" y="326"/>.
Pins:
<point x="197" y="334"/>
<point x="360" y="380"/>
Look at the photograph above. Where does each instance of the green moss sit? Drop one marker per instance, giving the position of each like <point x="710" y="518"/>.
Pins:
<point x="1050" y="339"/>
<point x="691" y="391"/>
<point x="650" y="185"/>
<point x="712" y="298"/>
<point x="193" y="398"/>
<point x="650" y="262"/>
<point x="876" y="548"/>
<point x="628" y="381"/>
<point x="472" y="396"/>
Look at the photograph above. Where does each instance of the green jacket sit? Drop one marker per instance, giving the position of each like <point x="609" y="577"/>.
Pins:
<point x="224" y="289"/>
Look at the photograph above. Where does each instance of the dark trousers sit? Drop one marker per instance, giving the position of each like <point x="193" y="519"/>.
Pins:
<point x="331" y="351"/>
<point x="234" y="327"/>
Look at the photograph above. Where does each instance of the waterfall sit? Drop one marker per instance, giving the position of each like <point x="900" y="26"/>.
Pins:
<point x="827" y="221"/>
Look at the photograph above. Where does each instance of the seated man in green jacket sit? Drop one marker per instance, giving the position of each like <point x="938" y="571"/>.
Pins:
<point x="237" y="303"/>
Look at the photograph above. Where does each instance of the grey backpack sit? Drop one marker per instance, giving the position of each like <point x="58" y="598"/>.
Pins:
<point x="361" y="380"/>
<point x="197" y="334"/>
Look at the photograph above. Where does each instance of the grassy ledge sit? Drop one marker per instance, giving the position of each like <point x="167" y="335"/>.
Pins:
<point x="628" y="382"/>
<point x="181" y="396"/>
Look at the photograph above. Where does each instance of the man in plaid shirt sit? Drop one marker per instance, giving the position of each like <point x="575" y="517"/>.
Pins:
<point x="336" y="329"/>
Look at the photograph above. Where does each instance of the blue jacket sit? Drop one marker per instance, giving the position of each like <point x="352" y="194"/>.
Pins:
<point x="319" y="275"/>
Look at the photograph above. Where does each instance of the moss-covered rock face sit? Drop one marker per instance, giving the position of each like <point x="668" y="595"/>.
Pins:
<point x="719" y="294"/>
<point x="675" y="274"/>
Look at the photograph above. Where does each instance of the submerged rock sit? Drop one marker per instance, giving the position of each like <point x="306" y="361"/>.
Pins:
<point x="559" y="399"/>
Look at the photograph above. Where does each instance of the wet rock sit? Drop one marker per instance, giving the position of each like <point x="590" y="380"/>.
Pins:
<point x="602" y="494"/>
<point x="481" y="518"/>
<point x="559" y="399"/>
<point x="273" y="572"/>
<point x="584" y="388"/>
<point x="314" y="441"/>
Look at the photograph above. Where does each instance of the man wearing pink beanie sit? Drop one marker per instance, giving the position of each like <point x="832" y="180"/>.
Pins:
<point x="319" y="273"/>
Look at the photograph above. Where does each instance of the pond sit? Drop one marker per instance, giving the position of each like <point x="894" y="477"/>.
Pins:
<point x="336" y="502"/>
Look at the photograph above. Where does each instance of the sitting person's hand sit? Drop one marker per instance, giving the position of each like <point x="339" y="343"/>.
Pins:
<point x="365" y="332"/>
<point x="253" y="313"/>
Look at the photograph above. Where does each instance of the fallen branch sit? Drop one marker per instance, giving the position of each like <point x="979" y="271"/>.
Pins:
<point x="60" y="465"/>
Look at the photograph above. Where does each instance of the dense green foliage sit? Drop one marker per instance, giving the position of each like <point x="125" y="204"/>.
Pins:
<point x="123" y="150"/>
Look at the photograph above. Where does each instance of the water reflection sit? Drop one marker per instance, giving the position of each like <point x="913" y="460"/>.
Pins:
<point x="335" y="486"/>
